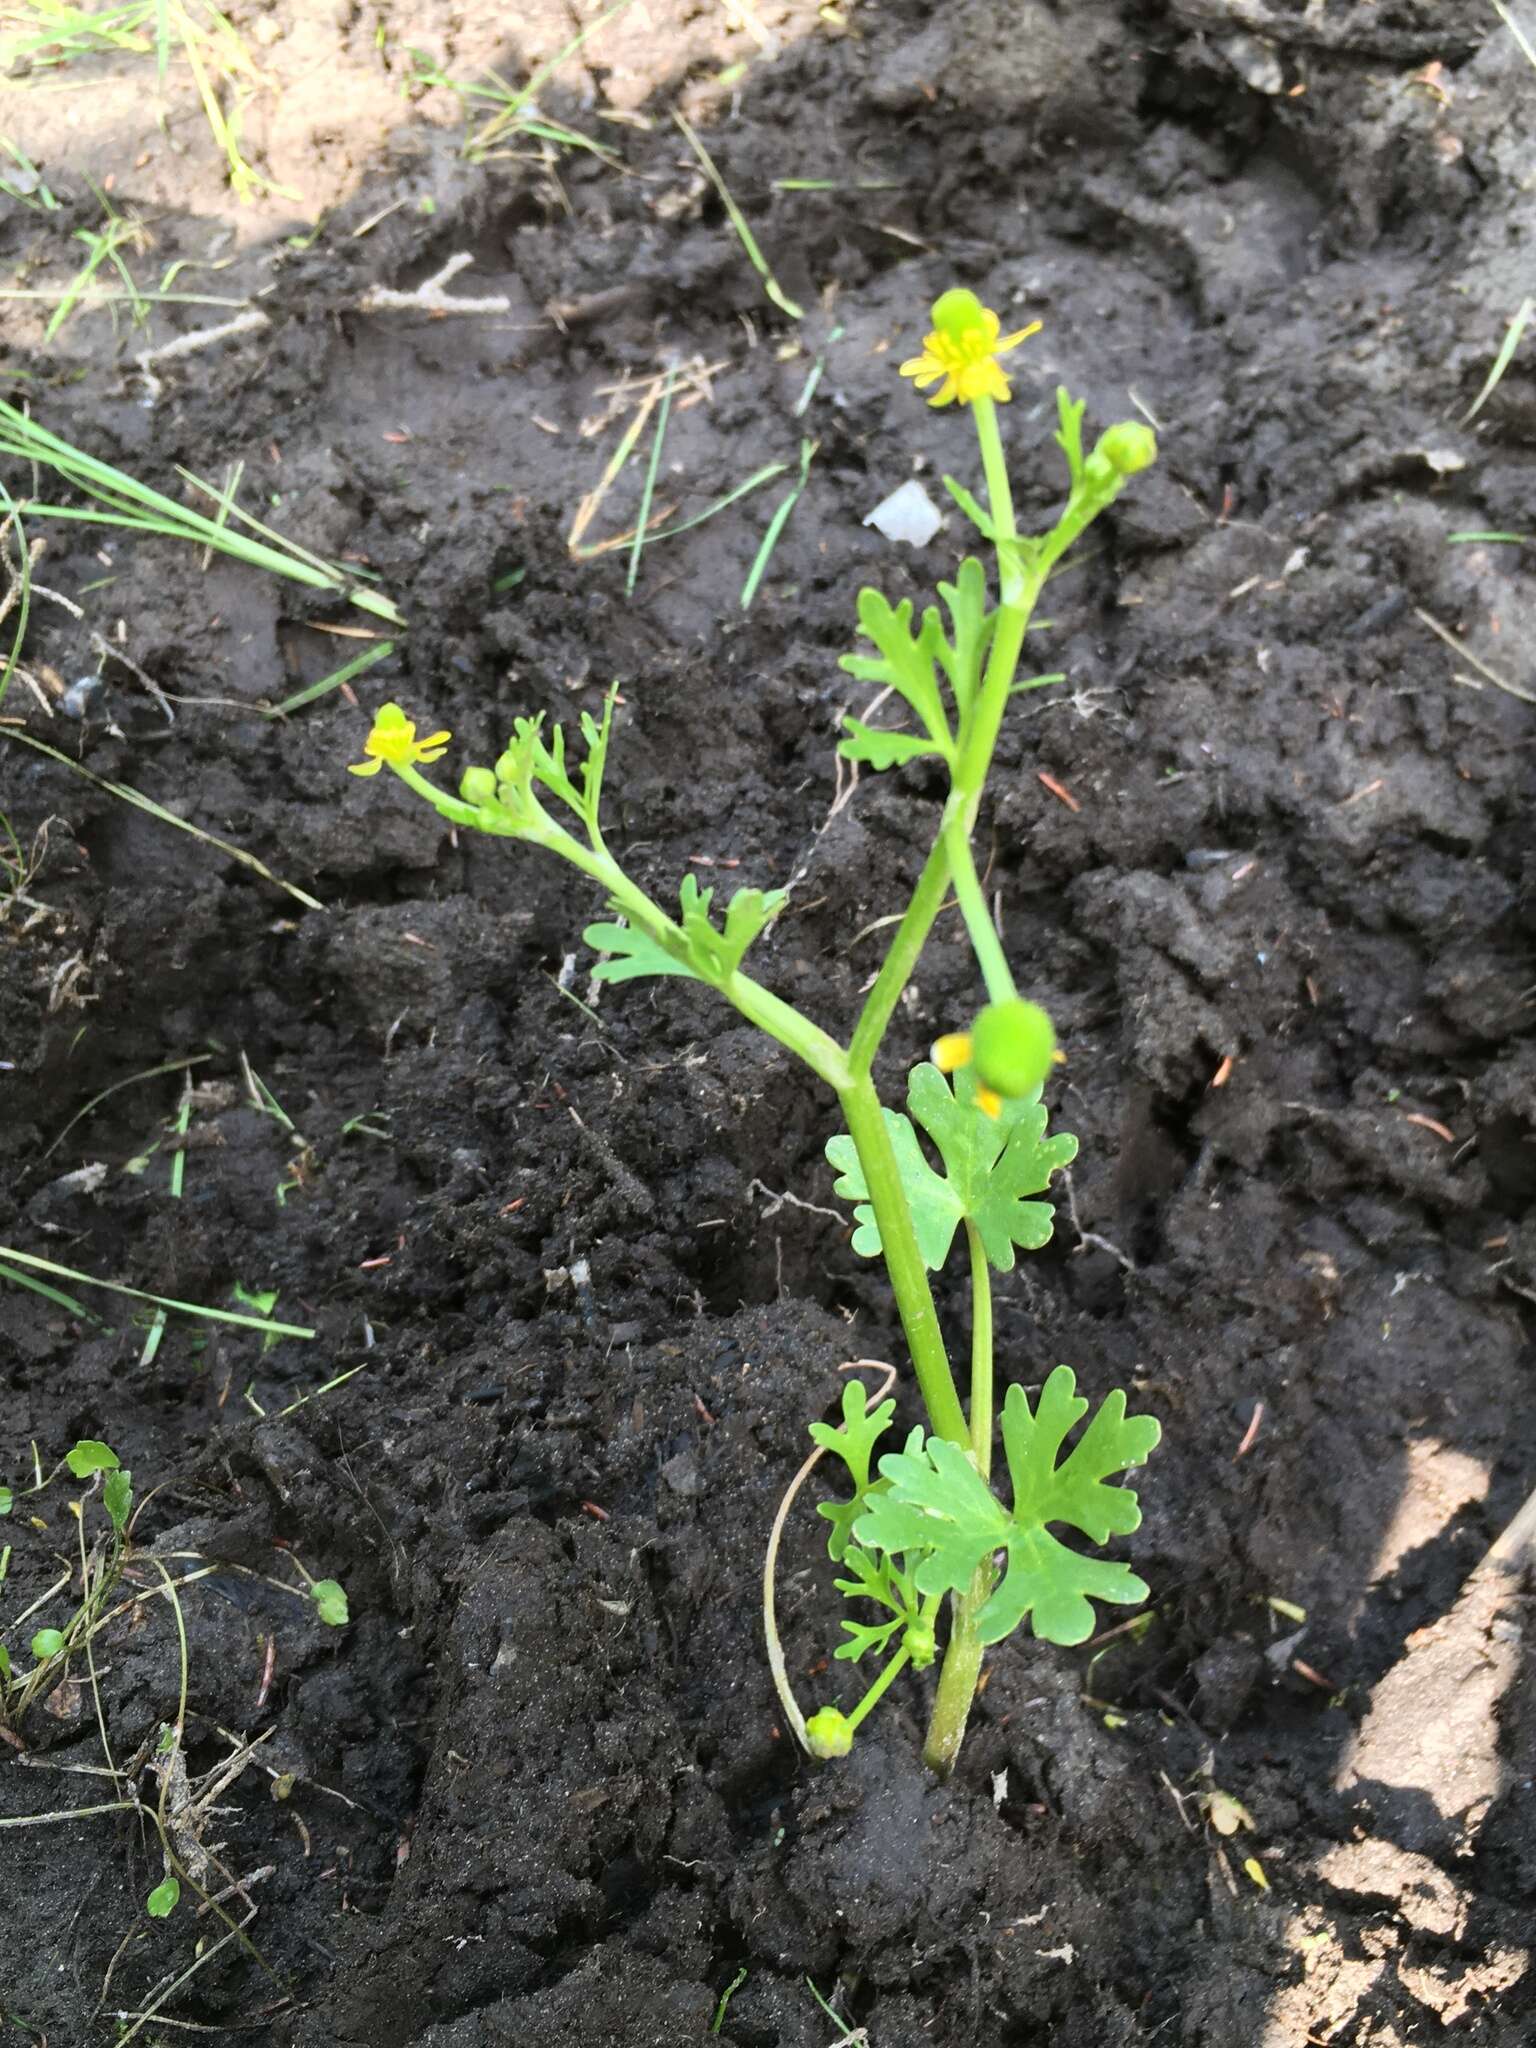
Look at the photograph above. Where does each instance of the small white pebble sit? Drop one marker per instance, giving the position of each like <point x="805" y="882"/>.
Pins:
<point x="908" y="514"/>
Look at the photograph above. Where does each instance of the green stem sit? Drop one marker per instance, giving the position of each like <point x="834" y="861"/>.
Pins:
<point x="903" y="1260"/>
<point x="985" y="943"/>
<point x="900" y="961"/>
<point x="957" y="1678"/>
<point x="962" y="1657"/>
<point x="981" y="1352"/>
<point x="760" y="1006"/>
<point x="881" y="1686"/>
<point x="978" y="741"/>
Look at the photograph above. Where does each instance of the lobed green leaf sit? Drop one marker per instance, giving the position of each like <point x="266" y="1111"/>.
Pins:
<point x="938" y="1503"/>
<point x="992" y="1167"/>
<point x="853" y="1441"/>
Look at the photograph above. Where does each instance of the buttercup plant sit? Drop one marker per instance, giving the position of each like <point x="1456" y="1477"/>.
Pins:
<point x="924" y="1525"/>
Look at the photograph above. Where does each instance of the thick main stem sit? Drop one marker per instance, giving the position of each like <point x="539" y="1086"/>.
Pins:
<point x="962" y="1658"/>
<point x="981" y="1351"/>
<point x="903" y="1259"/>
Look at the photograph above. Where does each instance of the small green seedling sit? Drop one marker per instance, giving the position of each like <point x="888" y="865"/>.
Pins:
<point x="54" y="1645"/>
<point x="922" y="1525"/>
<point x="330" y="1602"/>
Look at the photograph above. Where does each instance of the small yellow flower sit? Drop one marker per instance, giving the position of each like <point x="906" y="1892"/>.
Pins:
<point x="961" y="353"/>
<point x="393" y="739"/>
<point x="950" y="1054"/>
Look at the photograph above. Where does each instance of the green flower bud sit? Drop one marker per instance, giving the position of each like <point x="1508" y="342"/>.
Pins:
<point x="829" y="1733"/>
<point x="1128" y="447"/>
<point x="955" y="313"/>
<point x="478" y="786"/>
<point x="919" y="1644"/>
<point x="1011" y="1047"/>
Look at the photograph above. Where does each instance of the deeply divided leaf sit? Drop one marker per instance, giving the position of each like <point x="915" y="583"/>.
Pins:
<point x="698" y="948"/>
<point x="630" y="953"/>
<point x="879" y="749"/>
<point x="971" y="628"/>
<point x="938" y="1504"/>
<point x="906" y="663"/>
<point x="881" y="1580"/>
<point x="853" y="1441"/>
<point x="992" y="1168"/>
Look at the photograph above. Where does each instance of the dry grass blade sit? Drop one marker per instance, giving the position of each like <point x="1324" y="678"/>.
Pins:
<point x="1460" y="647"/>
<point x="141" y="802"/>
<point x="1516" y="31"/>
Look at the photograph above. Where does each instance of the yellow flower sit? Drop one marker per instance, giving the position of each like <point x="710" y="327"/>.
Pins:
<point x="393" y="739"/>
<point x="961" y="353"/>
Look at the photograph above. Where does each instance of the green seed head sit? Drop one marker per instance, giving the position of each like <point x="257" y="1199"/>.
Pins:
<point x="919" y="1644"/>
<point x="1129" y="447"/>
<point x="956" y="313"/>
<point x="1011" y="1047"/>
<point x="478" y="786"/>
<point x="829" y="1733"/>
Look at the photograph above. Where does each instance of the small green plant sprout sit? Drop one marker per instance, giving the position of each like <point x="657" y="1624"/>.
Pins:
<point x="54" y="1645"/>
<point x="936" y="1565"/>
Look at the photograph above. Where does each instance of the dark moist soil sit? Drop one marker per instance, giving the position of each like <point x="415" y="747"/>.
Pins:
<point x="1266" y="854"/>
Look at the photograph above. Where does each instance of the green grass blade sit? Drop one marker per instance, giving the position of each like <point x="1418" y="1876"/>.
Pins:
<point x="1501" y="361"/>
<point x="776" y="526"/>
<point x="738" y="221"/>
<point x="53" y="1294"/>
<point x="507" y="116"/>
<point x="369" y="658"/>
<point x="177" y="1066"/>
<point x="128" y="502"/>
<point x="189" y="1308"/>
<point x="754" y="482"/>
<point x="648" y="487"/>
<point x="23" y="591"/>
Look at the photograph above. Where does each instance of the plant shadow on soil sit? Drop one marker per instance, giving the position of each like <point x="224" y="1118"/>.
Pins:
<point x="565" y="1812"/>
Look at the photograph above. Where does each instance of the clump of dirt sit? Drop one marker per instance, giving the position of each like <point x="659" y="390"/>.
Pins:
<point x="1264" y="854"/>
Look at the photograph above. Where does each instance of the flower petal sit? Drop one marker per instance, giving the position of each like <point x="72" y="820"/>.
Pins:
<point x="364" y="767"/>
<point x="952" y="1051"/>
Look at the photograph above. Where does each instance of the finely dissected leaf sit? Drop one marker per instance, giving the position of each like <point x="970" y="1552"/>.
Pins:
<point x="992" y="1166"/>
<point x="938" y="1500"/>
<point x="1069" y="439"/>
<point x="971" y="630"/>
<point x="632" y="953"/>
<point x="330" y="1602"/>
<point x="906" y="663"/>
<point x="90" y="1456"/>
<point x="880" y="749"/>
<point x="117" y="1498"/>
<point x="717" y="954"/>
<point x="881" y="1580"/>
<point x="981" y="520"/>
<point x="853" y="1441"/>
<point x="703" y="951"/>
